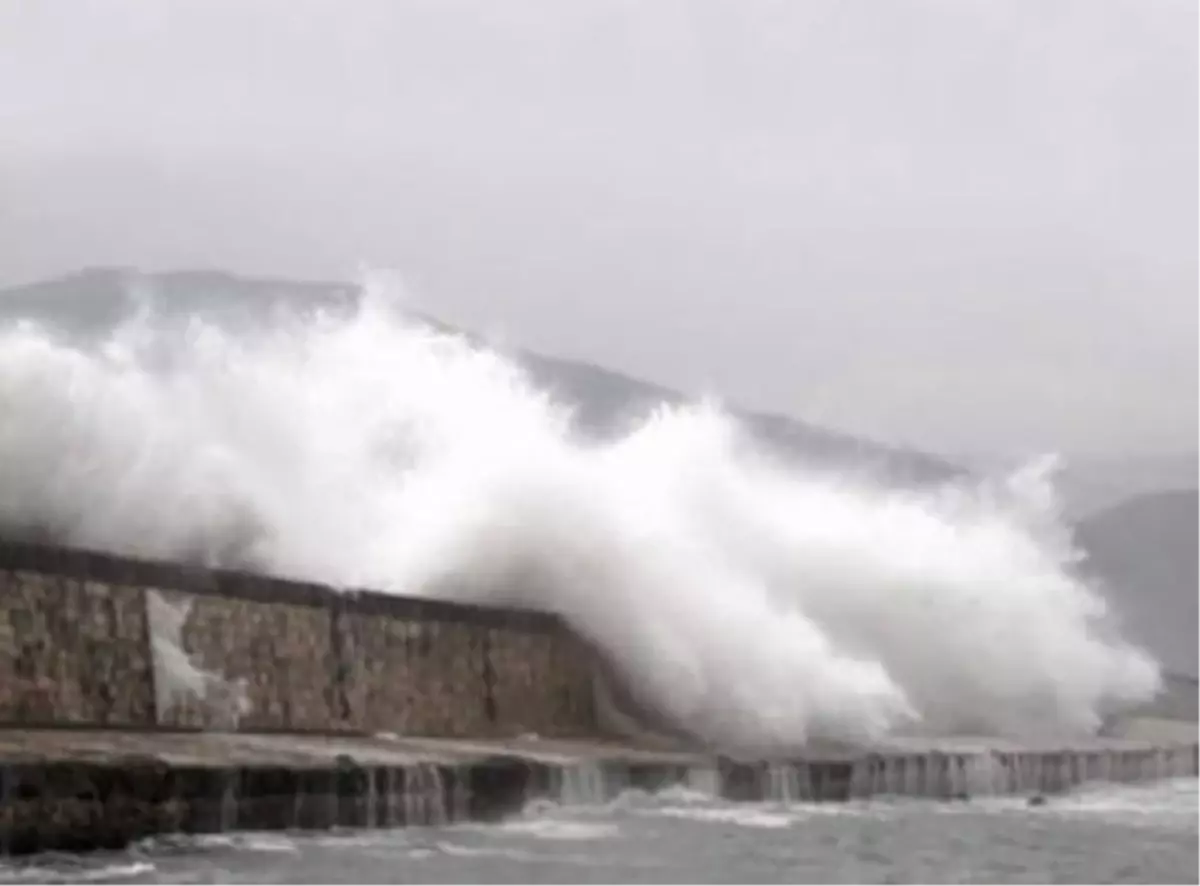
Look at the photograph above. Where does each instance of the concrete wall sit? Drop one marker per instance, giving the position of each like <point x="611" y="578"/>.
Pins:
<point x="93" y="639"/>
<point x="71" y="649"/>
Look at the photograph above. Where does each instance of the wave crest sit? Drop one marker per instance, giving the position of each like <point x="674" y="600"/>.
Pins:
<point x="749" y="601"/>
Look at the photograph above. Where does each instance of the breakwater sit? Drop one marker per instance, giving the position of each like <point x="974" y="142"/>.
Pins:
<point x="89" y="639"/>
<point x="76" y="790"/>
<point x="139" y="698"/>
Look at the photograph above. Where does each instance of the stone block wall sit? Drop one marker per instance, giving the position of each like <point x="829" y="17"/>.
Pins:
<point x="246" y="663"/>
<point x="98" y="640"/>
<point x="73" y="644"/>
<point x="431" y="668"/>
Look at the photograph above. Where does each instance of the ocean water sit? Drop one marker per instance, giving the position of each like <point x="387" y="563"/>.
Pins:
<point x="1105" y="834"/>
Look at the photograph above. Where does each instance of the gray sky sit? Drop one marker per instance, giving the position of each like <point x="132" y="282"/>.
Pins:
<point x="960" y="225"/>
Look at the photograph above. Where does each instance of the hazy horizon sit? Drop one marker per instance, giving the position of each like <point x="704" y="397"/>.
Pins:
<point x="964" y="227"/>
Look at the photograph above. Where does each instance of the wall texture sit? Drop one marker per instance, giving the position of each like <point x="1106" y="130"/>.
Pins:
<point x="93" y="639"/>
<point x="71" y="649"/>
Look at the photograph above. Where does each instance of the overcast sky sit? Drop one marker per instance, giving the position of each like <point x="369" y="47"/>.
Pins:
<point x="960" y="225"/>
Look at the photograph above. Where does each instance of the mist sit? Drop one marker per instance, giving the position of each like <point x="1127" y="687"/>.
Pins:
<point x="967" y="227"/>
<point x="751" y="603"/>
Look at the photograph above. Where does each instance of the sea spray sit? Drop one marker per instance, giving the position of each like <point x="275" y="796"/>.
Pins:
<point x="753" y="602"/>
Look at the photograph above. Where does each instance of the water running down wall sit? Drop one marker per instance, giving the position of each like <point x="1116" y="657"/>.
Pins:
<point x="89" y="789"/>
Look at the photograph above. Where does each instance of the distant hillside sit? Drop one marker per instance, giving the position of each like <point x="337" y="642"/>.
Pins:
<point x="1089" y="485"/>
<point x="84" y="303"/>
<point x="1145" y="552"/>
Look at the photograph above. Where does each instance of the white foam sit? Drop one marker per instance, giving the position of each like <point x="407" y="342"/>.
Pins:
<point x="519" y="854"/>
<point x="751" y="602"/>
<point x="74" y="874"/>
<point x="176" y="674"/>
<point x="746" y="816"/>
<point x="559" y="829"/>
<point x="1135" y="805"/>
<point x="683" y="794"/>
<point x="251" y="841"/>
<point x="273" y="843"/>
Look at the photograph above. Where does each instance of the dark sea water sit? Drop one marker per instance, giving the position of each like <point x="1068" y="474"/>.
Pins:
<point x="1105" y="834"/>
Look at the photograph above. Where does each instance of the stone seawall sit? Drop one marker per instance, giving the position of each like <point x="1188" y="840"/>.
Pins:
<point x="89" y="639"/>
<point x="139" y="698"/>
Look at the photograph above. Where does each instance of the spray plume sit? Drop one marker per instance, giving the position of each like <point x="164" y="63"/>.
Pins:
<point x="752" y="602"/>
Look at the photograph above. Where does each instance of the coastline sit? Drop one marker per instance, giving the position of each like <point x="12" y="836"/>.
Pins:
<point x="84" y="789"/>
